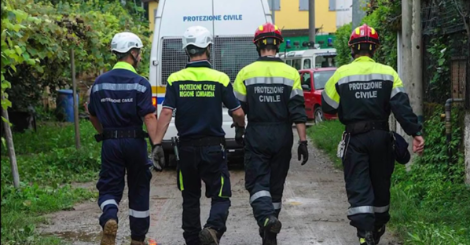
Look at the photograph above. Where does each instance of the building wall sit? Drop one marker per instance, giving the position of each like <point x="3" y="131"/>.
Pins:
<point x="152" y="9"/>
<point x="290" y="17"/>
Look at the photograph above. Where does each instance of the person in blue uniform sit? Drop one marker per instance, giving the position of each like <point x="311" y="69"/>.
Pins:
<point x="197" y="93"/>
<point x="120" y="102"/>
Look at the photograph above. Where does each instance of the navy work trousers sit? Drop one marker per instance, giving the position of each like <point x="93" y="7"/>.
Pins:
<point x="117" y="156"/>
<point x="267" y="162"/>
<point x="208" y="164"/>
<point x="368" y="166"/>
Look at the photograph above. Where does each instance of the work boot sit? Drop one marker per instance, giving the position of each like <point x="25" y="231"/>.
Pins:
<point x="378" y="233"/>
<point x="368" y="239"/>
<point x="209" y="236"/>
<point x="109" y="232"/>
<point x="134" y="242"/>
<point x="272" y="226"/>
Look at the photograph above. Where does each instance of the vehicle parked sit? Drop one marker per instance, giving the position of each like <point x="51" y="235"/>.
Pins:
<point x="313" y="82"/>
<point x="310" y="58"/>
<point x="232" y="25"/>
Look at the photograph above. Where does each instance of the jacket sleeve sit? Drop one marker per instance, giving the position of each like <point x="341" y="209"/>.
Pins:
<point x="330" y="97"/>
<point x="296" y="102"/>
<point x="401" y="108"/>
<point x="239" y="89"/>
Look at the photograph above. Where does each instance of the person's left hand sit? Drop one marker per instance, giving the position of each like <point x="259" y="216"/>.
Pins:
<point x="158" y="157"/>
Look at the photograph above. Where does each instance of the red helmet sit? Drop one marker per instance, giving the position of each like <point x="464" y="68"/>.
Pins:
<point x="268" y="30"/>
<point x="364" y="34"/>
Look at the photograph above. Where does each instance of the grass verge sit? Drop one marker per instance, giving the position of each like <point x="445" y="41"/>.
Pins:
<point x="430" y="202"/>
<point x="48" y="164"/>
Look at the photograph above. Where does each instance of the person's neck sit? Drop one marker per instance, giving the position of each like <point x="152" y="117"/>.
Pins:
<point x="198" y="58"/>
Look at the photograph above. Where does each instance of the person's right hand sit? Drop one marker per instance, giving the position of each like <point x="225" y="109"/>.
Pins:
<point x="418" y="145"/>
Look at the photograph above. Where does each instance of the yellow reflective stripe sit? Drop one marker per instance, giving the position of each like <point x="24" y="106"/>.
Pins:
<point x="125" y="66"/>
<point x="397" y="83"/>
<point x="239" y="88"/>
<point x="199" y="74"/>
<point x="181" y="182"/>
<point x="332" y="96"/>
<point x="268" y="69"/>
<point x="297" y="84"/>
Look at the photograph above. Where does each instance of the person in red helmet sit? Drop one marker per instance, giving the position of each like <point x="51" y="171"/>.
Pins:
<point x="364" y="93"/>
<point x="271" y="95"/>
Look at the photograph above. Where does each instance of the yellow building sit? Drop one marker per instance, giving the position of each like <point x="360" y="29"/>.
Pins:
<point x="293" y="15"/>
<point x="290" y="14"/>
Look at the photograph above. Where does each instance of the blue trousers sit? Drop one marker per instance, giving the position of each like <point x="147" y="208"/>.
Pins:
<point x="208" y="164"/>
<point x="117" y="156"/>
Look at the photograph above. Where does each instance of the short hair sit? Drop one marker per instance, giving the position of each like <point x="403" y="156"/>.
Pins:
<point x="194" y="51"/>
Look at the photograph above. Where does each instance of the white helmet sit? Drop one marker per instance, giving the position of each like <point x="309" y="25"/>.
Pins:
<point x="198" y="36"/>
<point x="125" y="41"/>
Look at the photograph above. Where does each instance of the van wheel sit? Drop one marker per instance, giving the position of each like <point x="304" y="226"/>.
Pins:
<point x="318" y="115"/>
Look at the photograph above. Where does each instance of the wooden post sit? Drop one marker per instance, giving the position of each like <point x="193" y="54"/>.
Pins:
<point x="11" y="150"/>
<point x="75" y="104"/>
<point x="417" y="60"/>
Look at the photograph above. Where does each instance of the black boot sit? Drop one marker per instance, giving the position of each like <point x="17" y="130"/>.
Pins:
<point x="272" y="226"/>
<point x="378" y="233"/>
<point x="368" y="239"/>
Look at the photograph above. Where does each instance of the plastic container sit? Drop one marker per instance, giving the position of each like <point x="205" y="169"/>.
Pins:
<point x="65" y="105"/>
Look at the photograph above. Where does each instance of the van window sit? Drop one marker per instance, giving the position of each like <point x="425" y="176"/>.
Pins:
<point x="325" y="61"/>
<point x="297" y="63"/>
<point x="231" y="54"/>
<point x="289" y="62"/>
<point x="307" y="64"/>
<point x="173" y="57"/>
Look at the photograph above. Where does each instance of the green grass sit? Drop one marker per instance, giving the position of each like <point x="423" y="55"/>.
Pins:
<point x="48" y="163"/>
<point x="430" y="204"/>
<point x="326" y="137"/>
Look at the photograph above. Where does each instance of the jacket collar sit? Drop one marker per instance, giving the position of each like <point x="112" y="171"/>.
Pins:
<point x="269" y="58"/>
<point x="125" y="66"/>
<point x="199" y="63"/>
<point x="364" y="59"/>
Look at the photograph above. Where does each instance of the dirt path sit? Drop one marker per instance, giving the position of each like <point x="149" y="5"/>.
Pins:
<point x="314" y="208"/>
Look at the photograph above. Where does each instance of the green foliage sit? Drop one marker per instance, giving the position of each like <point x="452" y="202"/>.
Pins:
<point x="48" y="164"/>
<point x="385" y="20"/>
<point x="439" y="53"/>
<point x="343" y="56"/>
<point x="37" y="39"/>
<point x="326" y="136"/>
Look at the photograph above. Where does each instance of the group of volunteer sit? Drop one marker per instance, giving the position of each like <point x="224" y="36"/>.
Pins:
<point x="269" y="94"/>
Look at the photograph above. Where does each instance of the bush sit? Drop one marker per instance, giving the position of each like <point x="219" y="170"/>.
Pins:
<point x="343" y="51"/>
<point x="38" y="35"/>
<point x="48" y="163"/>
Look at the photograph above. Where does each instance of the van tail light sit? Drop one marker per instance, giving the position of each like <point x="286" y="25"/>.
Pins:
<point x="154" y="101"/>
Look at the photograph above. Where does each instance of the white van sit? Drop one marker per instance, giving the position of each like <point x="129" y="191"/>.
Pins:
<point x="310" y="58"/>
<point x="232" y="24"/>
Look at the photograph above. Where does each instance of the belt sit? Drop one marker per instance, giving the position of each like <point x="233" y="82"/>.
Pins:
<point x="366" y="126"/>
<point x="122" y="134"/>
<point x="206" y="141"/>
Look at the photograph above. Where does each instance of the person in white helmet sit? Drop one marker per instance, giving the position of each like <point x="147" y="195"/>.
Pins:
<point x="120" y="102"/>
<point x="197" y="93"/>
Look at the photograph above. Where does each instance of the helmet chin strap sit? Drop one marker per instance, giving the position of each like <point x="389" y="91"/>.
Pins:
<point x="135" y="61"/>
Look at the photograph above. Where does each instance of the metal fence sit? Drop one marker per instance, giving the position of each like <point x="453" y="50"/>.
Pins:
<point x="229" y="55"/>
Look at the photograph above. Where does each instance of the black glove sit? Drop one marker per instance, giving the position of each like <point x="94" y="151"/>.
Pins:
<point x="98" y="137"/>
<point x="302" y="151"/>
<point x="239" y="132"/>
<point x="158" y="157"/>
